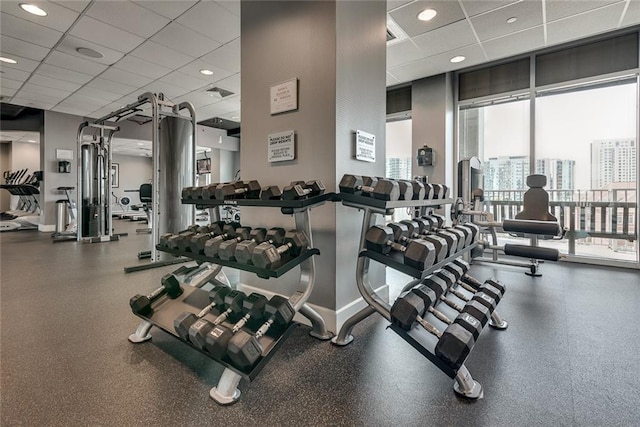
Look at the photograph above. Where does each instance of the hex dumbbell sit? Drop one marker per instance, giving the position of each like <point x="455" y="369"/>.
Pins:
<point x="244" y="249"/>
<point x="267" y="255"/>
<point x="245" y="349"/>
<point x="227" y="249"/>
<point x="183" y="322"/>
<point x="218" y="338"/>
<point x="141" y="304"/>
<point x="200" y="328"/>
<point x="417" y="253"/>
<point x="212" y="245"/>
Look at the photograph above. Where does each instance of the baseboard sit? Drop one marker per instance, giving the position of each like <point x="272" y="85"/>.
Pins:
<point x="334" y="319"/>
<point x="46" y="228"/>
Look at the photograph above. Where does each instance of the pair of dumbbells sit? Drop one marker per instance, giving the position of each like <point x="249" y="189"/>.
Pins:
<point x="226" y="303"/>
<point x="417" y="253"/>
<point x="381" y="189"/>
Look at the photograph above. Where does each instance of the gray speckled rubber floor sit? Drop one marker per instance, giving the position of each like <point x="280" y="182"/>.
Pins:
<point x="569" y="357"/>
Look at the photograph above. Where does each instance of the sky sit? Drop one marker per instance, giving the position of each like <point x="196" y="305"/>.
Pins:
<point x="565" y="125"/>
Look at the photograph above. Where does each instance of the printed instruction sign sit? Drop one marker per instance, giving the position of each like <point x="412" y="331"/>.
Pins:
<point x="282" y="146"/>
<point x="284" y="96"/>
<point x="365" y="146"/>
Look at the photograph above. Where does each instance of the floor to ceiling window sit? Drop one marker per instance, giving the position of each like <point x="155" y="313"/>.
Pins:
<point x="580" y="105"/>
<point x="586" y="146"/>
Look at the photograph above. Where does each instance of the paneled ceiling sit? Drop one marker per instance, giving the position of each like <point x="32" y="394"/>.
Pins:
<point x="161" y="46"/>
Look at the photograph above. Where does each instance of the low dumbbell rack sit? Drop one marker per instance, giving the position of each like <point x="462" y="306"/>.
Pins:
<point x="193" y="299"/>
<point x="417" y="337"/>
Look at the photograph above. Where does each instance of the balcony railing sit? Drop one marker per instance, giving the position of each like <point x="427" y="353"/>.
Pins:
<point x="587" y="214"/>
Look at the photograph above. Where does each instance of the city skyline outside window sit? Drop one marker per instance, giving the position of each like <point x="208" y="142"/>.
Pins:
<point x="586" y="146"/>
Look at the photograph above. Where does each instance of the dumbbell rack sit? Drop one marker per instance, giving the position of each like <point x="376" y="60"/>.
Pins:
<point x="417" y="337"/>
<point x="165" y="310"/>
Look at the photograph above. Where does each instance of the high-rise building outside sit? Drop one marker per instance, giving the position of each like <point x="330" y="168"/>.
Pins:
<point x="560" y="173"/>
<point x="398" y="168"/>
<point x="613" y="160"/>
<point x="506" y="173"/>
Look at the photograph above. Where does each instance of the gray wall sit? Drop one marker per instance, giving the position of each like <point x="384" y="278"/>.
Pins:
<point x="433" y="113"/>
<point x="321" y="44"/>
<point x="5" y="165"/>
<point x="60" y="131"/>
<point x="133" y="171"/>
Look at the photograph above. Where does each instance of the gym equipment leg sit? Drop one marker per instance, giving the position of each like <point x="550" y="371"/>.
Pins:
<point x="344" y="337"/>
<point x="226" y="392"/>
<point x="318" y="328"/>
<point x="142" y="333"/>
<point x="465" y="386"/>
<point x="497" y="322"/>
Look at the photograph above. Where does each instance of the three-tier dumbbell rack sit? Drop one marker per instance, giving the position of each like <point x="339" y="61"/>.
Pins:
<point x="417" y="337"/>
<point x="193" y="299"/>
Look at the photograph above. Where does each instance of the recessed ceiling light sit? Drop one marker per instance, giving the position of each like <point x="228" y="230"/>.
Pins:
<point x="8" y="60"/>
<point x="512" y="20"/>
<point x="457" y="59"/>
<point x="427" y="15"/>
<point x="33" y="9"/>
<point x="140" y="143"/>
<point x="89" y="52"/>
<point x="206" y="72"/>
<point x="235" y="117"/>
<point x="31" y="140"/>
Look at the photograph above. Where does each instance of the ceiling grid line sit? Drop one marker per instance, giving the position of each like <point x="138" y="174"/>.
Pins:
<point x="624" y="12"/>
<point x="544" y="21"/>
<point x="473" y="29"/>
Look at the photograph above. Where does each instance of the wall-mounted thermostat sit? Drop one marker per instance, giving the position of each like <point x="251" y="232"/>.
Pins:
<point x="425" y="156"/>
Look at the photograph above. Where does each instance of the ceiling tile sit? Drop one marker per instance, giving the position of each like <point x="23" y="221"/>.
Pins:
<point x="54" y="72"/>
<point x="69" y="45"/>
<point x="141" y="67"/>
<point x="632" y="16"/>
<point x="28" y="31"/>
<point x="10" y="84"/>
<point x="402" y="52"/>
<point x="583" y="25"/>
<point x="74" y="63"/>
<point x="193" y="69"/>
<point x="168" y="9"/>
<point x="87" y="102"/>
<point x="128" y="16"/>
<point x="199" y="98"/>
<point x="169" y="90"/>
<point x="407" y="16"/>
<point x="453" y="36"/>
<point x="438" y="64"/>
<point x="513" y="44"/>
<point x="32" y="103"/>
<point x="70" y="109"/>
<point x="103" y="34"/>
<point x="213" y="21"/>
<point x="228" y="105"/>
<point x="394" y="4"/>
<point x="209" y="111"/>
<point x="158" y="54"/>
<point x="475" y="7"/>
<point x="226" y="57"/>
<point x="77" y="5"/>
<point x="47" y="91"/>
<point x="38" y="97"/>
<point x="231" y="83"/>
<point x="563" y="9"/>
<point x="181" y="38"/>
<point x="23" y="64"/>
<point x="494" y="24"/>
<point x="93" y="92"/>
<point x="58" y="18"/>
<point x="14" y="74"/>
<point x="41" y="80"/>
<point x="184" y="81"/>
<point x="115" y="87"/>
<point x="9" y="45"/>
<point x="391" y="80"/>
<point x="231" y="115"/>
<point x="6" y="92"/>
<point x="232" y="6"/>
<point x="124" y="77"/>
